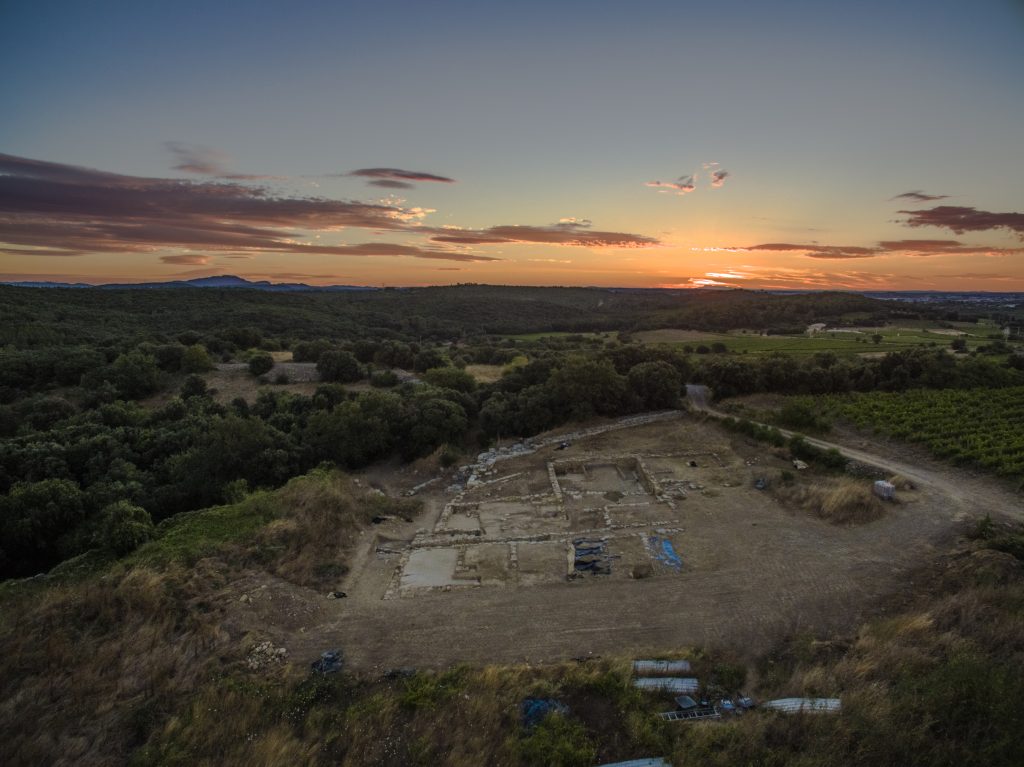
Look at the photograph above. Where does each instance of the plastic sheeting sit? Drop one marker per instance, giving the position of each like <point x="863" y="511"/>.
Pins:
<point x="673" y="684"/>
<point x="805" y="705"/>
<point x="660" y="667"/>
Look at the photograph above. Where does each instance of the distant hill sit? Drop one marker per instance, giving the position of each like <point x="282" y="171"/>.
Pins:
<point x="220" y="281"/>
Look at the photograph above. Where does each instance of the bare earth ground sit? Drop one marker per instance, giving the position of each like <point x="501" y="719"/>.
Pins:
<point x="752" y="570"/>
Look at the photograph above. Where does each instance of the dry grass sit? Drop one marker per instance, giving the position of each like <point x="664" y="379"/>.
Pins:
<point x="842" y="501"/>
<point x="132" y="666"/>
<point x="901" y="483"/>
<point x="485" y="373"/>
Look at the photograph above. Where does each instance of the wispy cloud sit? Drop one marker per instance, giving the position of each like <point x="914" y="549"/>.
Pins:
<point x="917" y="248"/>
<point x="688" y="183"/>
<point x="819" y="251"/>
<point x="682" y="185"/>
<point x="396" y="178"/>
<point x="918" y="196"/>
<point x="961" y="219"/>
<point x="570" y="234"/>
<point x="205" y="161"/>
<point x="186" y="259"/>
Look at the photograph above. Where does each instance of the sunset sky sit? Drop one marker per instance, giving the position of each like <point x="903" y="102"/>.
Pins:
<point x="868" y="146"/>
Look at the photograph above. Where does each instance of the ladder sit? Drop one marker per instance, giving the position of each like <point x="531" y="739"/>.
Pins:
<point x="690" y="714"/>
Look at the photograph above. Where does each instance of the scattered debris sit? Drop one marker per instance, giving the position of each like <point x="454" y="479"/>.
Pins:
<point x="685" y="702"/>
<point x="660" y="667"/>
<point x="330" y="662"/>
<point x="265" y="654"/>
<point x="336" y="595"/>
<point x="804" y="705"/>
<point x="799" y="465"/>
<point x="761" y="483"/>
<point x="885" y="490"/>
<point x="563" y="445"/>
<point x="533" y="711"/>
<point x="673" y="684"/>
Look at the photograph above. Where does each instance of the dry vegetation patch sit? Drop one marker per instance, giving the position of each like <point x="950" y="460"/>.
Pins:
<point x="842" y="501"/>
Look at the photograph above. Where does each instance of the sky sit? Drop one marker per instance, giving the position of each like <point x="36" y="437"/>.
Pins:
<point x="800" y="145"/>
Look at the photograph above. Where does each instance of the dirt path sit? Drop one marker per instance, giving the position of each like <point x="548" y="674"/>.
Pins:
<point x="976" y="495"/>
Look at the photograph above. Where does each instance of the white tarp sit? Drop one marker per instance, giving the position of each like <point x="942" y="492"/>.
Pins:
<point x="804" y="705"/>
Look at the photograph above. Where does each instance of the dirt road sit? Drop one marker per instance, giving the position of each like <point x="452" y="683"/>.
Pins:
<point x="968" y="491"/>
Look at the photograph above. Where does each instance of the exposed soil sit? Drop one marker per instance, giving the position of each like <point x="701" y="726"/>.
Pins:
<point x="753" y="570"/>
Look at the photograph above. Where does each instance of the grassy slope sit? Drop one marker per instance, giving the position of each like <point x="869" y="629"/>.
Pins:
<point x="108" y="663"/>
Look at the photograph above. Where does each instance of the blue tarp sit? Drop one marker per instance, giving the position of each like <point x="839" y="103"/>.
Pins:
<point x="662" y="550"/>
<point x="330" y="662"/>
<point x="534" y="710"/>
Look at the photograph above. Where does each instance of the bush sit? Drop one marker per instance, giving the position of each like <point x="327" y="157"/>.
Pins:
<point x="195" y="359"/>
<point x="384" y="379"/>
<point x="123" y="527"/>
<point x="260" y="363"/>
<point x="339" y="366"/>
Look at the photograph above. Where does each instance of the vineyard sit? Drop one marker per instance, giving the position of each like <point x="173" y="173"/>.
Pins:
<point x="979" y="427"/>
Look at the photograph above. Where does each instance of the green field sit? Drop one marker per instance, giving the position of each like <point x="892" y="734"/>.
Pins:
<point x="979" y="427"/>
<point x="893" y="339"/>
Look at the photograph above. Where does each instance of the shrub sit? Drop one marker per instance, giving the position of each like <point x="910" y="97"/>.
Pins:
<point x="260" y="363"/>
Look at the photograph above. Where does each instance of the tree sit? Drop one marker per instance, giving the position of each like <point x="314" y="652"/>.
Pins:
<point x="122" y="527"/>
<point x="134" y="375"/>
<point x="959" y="344"/>
<point x="260" y="363"/>
<point x="585" y="386"/>
<point x="657" y="384"/>
<point x="450" y="378"/>
<point x="876" y="338"/>
<point x="427" y="359"/>
<point x="34" y="516"/>
<point x="195" y="359"/>
<point x="339" y="366"/>
<point x="194" y="386"/>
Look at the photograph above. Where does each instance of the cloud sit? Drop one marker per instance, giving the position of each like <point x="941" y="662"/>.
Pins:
<point x="918" y="196"/>
<point x="204" y="161"/>
<point x="186" y="259"/>
<point x="730" y="275"/>
<point x="944" y="248"/>
<point x="916" y="248"/>
<point x="569" y="234"/>
<point x="390" y="183"/>
<point x="819" y="251"/>
<point x="683" y="185"/>
<point x="396" y="178"/>
<point x="688" y="183"/>
<point x="961" y="219"/>
<point x="73" y="211"/>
